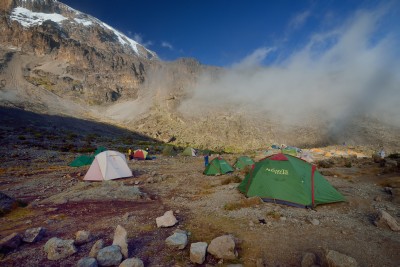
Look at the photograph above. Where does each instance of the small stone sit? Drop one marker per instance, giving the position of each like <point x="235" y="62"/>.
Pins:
<point x="132" y="262"/>
<point x="314" y="222"/>
<point x="385" y="220"/>
<point x="33" y="235"/>
<point x="109" y="256"/>
<point x="121" y="240"/>
<point x="198" y="252"/>
<point x="10" y="242"/>
<point x="167" y="220"/>
<point x="336" y="259"/>
<point x="178" y="240"/>
<point x="96" y="247"/>
<point x="378" y="199"/>
<point x="223" y="247"/>
<point x="82" y="237"/>
<point x="87" y="262"/>
<point x="57" y="248"/>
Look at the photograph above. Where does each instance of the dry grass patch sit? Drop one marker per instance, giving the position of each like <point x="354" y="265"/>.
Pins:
<point x="243" y="203"/>
<point x="231" y="179"/>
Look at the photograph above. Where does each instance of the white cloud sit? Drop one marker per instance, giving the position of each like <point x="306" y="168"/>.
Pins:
<point x="299" y="20"/>
<point x="167" y="45"/>
<point x="139" y="38"/>
<point x="347" y="71"/>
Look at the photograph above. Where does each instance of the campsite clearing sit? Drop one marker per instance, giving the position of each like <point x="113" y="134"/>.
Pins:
<point x="206" y="206"/>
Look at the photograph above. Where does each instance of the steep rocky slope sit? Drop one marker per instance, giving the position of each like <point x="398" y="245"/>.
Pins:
<point x="57" y="60"/>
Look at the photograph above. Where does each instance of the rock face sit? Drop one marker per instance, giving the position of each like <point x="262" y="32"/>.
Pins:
<point x="120" y="239"/>
<point x="198" y="252"/>
<point x="132" y="262"/>
<point x="167" y="220"/>
<point x="178" y="240"/>
<point x="336" y="259"/>
<point x="109" y="256"/>
<point x="383" y="219"/>
<point x="57" y="248"/>
<point x="33" y="235"/>
<point x="223" y="247"/>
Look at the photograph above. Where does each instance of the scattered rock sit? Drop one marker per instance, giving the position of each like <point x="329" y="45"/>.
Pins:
<point x="128" y="216"/>
<point x="132" y="262"/>
<point x="378" y="199"/>
<point x="309" y="259"/>
<point x="336" y="259"/>
<point x="10" y="242"/>
<point x="385" y="220"/>
<point x="198" y="252"/>
<point x="178" y="240"/>
<point x="167" y="220"/>
<point x="314" y="221"/>
<point x="83" y="237"/>
<point x="96" y="248"/>
<point x="223" y="247"/>
<point x="109" y="256"/>
<point x="87" y="262"/>
<point x="7" y="203"/>
<point x="57" y="248"/>
<point x="33" y="235"/>
<point x="120" y="239"/>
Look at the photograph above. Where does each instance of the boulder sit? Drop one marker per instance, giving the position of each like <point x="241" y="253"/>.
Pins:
<point x="96" y="247"/>
<point x="132" y="262"/>
<point x="33" y="235"/>
<point x="336" y="259"/>
<point x="10" y="242"/>
<point x="223" y="247"/>
<point x="385" y="220"/>
<point x="57" y="248"/>
<point x="87" y="262"/>
<point x="167" y="220"/>
<point x="109" y="256"/>
<point x="309" y="259"/>
<point x="198" y="252"/>
<point x="83" y="237"/>
<point x="120" y="239"/>
<point x="178" y="240"/>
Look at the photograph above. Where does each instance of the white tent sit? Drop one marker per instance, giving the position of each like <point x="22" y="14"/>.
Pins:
<point x="108" y="165"/>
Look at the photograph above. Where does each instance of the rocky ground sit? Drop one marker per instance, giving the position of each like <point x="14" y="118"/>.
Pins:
<point x="52" y="195"/>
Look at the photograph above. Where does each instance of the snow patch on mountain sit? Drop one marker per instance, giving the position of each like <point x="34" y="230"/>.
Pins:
<point x="85" y="22"/>
<point x="27" y="18"/>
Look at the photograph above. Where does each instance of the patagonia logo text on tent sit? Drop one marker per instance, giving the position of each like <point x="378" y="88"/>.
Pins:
<point x="281" y="171"/>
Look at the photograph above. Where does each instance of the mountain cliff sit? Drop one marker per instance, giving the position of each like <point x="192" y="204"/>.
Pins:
<point x="57" y="60"/>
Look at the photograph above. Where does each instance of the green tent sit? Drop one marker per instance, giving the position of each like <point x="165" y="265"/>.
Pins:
<point x="86" y="160"/>
<point x="242" y="162"/>
<point x="169" y="151"/>
<point x="189" y="152"/>
<point x="82" y="161"/>
<point x="288" y="180"/>
<point x="218" y="166"/>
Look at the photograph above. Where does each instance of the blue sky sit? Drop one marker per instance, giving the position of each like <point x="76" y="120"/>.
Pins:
<point x="225" y="32"/>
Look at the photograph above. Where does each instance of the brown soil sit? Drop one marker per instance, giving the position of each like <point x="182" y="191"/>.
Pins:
<point x="206" y="207"/>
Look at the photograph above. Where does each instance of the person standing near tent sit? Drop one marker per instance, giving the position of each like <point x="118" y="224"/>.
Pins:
<point x="129" y="154"/>
<point x="206" y="160"/>
<point x="382" y="156"/>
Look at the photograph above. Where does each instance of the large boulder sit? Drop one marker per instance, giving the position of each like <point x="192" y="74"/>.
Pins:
<point x="167" y="220"/>
<point x="198" y="252"/>
<point x="10" y="242"/>
<point x="121" y="240"/>
<point x="96" y="248"/>
<point x="109" y="256"/>
<point x="132" y="262"/>
<point x="337" y="259"/>
<point x="178" y="240"/>
<point x="57" y="248"/>
<point x="87" y="262"/>
<point x="385" y="220"/>
<point x="223" y="247"/>
<point x="33" y="235"/>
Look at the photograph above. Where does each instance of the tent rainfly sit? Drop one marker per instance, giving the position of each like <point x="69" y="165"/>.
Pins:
<point x="189" y="152"/>
<point x="285" y="179"/>
<point x="108" y="165"/>
<point x="242" y="162"/>
<point x="218" y="166"/>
